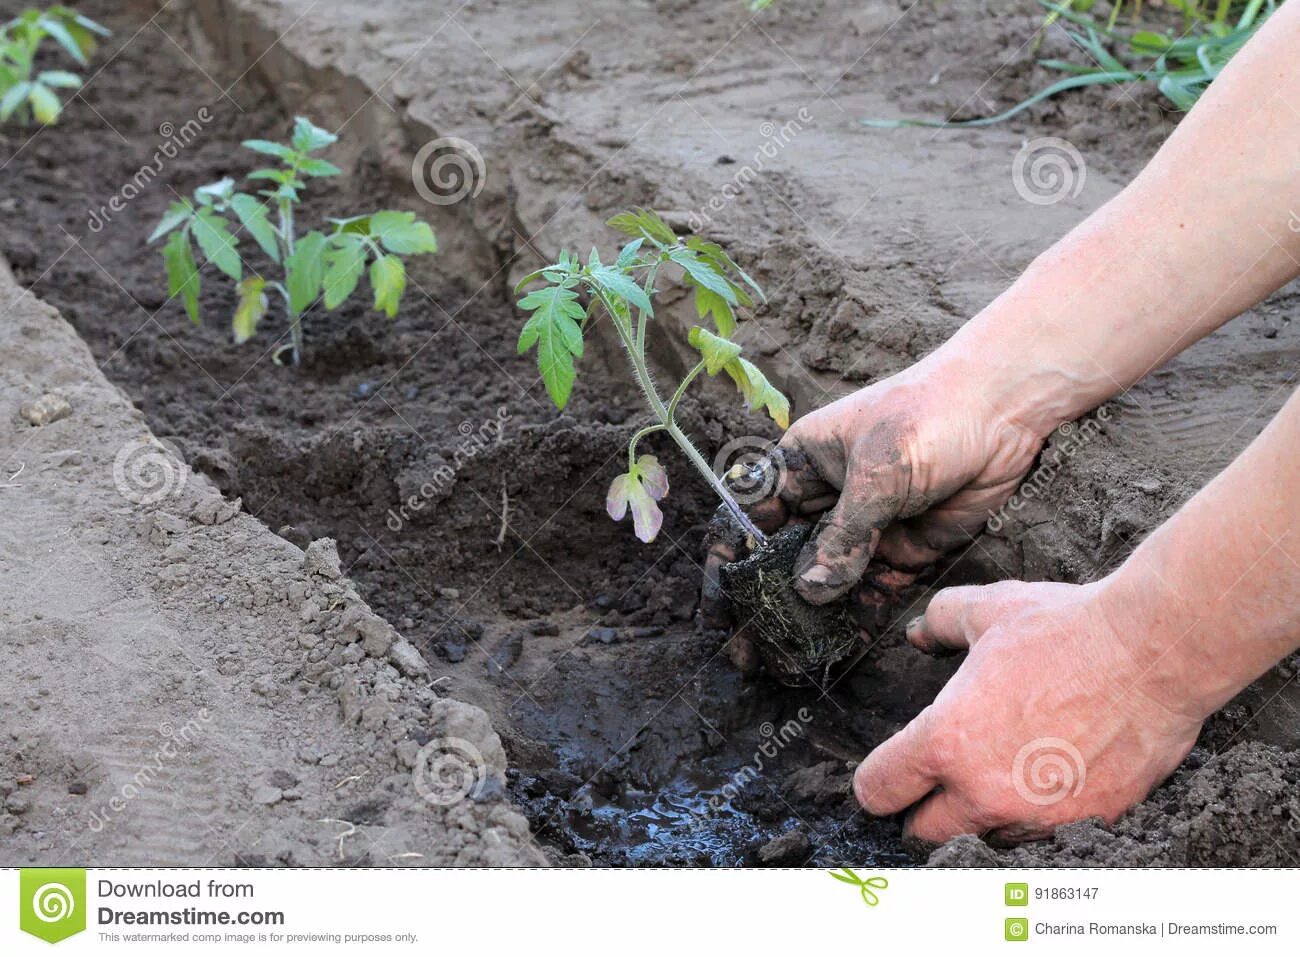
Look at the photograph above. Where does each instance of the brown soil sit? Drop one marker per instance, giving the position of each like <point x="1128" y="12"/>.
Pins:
<point x="626" y="731"/>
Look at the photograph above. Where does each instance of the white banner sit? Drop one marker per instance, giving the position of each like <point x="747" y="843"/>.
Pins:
<point x="632" y="912"/>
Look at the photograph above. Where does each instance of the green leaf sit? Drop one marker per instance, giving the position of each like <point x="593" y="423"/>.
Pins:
<point x="308" y="137"/>
<point x="345" y="261"/>
<point x="270" y="148"/>
<point x="14" y="97"/>
<point x="217" y="242"/>
<point x="613" y="280"/>
<point x="45" y="105"/>
<point x="177" y="213"/>
<point x="220" y="191"/>
<point x="388" y="280"/>
<point x="65" y="39"/>
<point x="252" y="214"/>
<point x="304" y="271"/>
<point x="317" y="167"/>
<point x="708" y="302"/>
<point x="644" y="222"/>
<point x="554" y="328"/>
<point x="716" y="256"/>
<point x="402" y="233"/>
<point x="182" y="273"/>
<point x="758" y="392"/>
<point x="251" y="308"/>
<point x="700" y="273"/>
<point x="715" y="350"/>
<point x="61" y="78"/>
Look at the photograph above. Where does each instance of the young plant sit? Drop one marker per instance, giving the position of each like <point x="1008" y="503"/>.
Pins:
<point x="625" y="291"/>
<point x="29" y="97"/>
<point x="319" y="265"/>
<point x="1180" y="67"/>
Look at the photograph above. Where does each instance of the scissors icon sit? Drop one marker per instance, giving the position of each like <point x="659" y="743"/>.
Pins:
<point x="867" y="886"/>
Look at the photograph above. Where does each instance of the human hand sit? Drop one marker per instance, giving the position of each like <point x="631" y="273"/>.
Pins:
<point x="1059" y="712"/>
<point x="899" y="472"/>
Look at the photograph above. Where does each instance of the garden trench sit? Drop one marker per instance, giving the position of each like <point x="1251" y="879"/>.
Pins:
<point x="630" y="739"/>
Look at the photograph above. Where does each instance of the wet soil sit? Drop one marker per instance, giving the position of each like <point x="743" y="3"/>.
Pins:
<point x="471" y="514"/>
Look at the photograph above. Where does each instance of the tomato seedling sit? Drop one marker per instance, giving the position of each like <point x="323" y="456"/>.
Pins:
<point x="323" y="266"/>
<point x="27" y="97"/>
<point x="625" y="291"/>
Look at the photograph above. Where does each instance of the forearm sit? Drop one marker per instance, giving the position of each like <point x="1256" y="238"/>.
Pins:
<point x="1211" y="600"/>
<point x="1201" y="235"/>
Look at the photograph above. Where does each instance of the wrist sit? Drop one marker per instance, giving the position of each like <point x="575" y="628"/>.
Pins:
<point x="1183" y="660"/>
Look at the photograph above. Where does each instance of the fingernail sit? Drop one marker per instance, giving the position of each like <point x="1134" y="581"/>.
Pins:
<point x="818" y="574"/>
<point x="914" y="625"/>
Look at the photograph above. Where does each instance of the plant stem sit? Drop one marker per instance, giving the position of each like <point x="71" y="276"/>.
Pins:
<point x="642" y="372"/>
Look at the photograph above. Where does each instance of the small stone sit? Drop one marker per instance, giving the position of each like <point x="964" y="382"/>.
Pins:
<point x="282" y="779"/>
<point x="407" y="660"/>
<point x="322" y="558"/>
<point x="546" y="628"/>
<point x="265" y="794"/>
<point x="366" y="389"/>
<point x="792" y="847"/>
<point x="17" y="804"/>
<point x="48" y="408"/>
<point x="78" y="787"/>
<point x="606" y="636"/>
<point x="329" y="761"/>
<point x="451" y="594"/>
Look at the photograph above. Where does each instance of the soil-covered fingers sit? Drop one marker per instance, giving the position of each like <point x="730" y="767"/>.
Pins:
<point x="725" y="543"/>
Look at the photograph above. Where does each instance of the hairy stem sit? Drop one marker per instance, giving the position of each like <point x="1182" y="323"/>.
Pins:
<point x="642" y="372"/>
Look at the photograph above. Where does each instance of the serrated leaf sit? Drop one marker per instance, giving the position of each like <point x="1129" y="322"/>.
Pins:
<point x="177" y="213"/>
<point x="345" y="261"/>
<point x="709" y="303"/>
<point x="644" y="222"/>
<point x="308" y="137"/>
<point x="213" y="192"/>
<point x="700" y="273"/>
<point x="402" y="233"/>
<point x="627" y="255"/>
<point x="304" y="271"/>
<point x="388" y="280"/>
<point x="317" y="167"/>
<point x="269" y="148"/>
<point x="758" y="392"/>
<point x="715" y="350"/>
<point x="251" y="308"/>
<point x="253" y="215"/>
<point x="45" y="105"/>
<point x="217" y="242"/>
<point x="554" y="328"/>
<point x="613" y="280"/>
<point x="182" y="272"/>
<point x="716" y="256"/>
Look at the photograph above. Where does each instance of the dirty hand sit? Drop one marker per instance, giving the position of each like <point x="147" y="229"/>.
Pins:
<point x="1057" y="714"/>
<point x="902" y="471"/>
